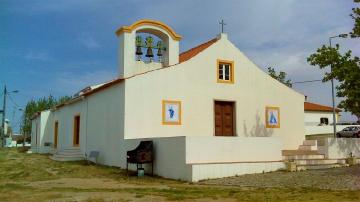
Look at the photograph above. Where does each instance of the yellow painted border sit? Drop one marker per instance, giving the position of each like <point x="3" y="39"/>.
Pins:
<point x="76" y="145"/>
<point x="231" y="63"/>
<point x="155" y="23"/>
<point x="56" y="133"/>
<point x="266" y="117"/>
<point x="163" y="112"/>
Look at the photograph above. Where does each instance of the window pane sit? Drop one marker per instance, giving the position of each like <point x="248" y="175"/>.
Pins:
<point x="221" y="76"/>
<point x="227" y="77"/>
<point x="227" y="72"/>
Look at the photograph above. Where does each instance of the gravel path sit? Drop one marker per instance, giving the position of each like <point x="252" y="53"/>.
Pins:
<point x="346" y="178"/>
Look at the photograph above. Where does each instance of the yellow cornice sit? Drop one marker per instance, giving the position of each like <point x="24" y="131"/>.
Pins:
<point x="155" y="23"/>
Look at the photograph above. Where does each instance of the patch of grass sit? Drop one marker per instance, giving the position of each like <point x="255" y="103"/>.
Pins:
<point x="22" y="169"/>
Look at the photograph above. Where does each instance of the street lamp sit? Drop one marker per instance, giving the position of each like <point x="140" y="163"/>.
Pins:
<point x="332" y="83"/>
<point x="3" y="111"/>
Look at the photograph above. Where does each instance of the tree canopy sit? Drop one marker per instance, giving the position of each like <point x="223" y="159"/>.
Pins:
<point x="280" y="77"/>
<point x="346" y="69"/>
<point x="355" y="15"/>
<point x="41" y="104"/>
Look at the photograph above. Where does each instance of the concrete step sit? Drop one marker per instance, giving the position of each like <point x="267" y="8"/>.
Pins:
<point x="318" y="167"/>
<point x="72" y="149"/>
<point x="299" y="152"/>
<point x="302" y="162"/>
<point x="310" y="142"/>
<point x="308" y="147"/>
<point x="69" y="152"/>
<point x="302" y="157"/>
<point x="59" y="158"/>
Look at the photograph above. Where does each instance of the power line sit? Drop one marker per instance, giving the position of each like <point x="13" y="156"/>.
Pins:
<point x="317" y="80"/>
<point x="12" y="100"/>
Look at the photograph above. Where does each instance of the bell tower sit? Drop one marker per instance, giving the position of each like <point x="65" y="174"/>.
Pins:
<point x="146" y="45"/>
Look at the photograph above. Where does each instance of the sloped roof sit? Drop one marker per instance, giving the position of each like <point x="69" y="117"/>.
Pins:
<point x="309" y="106"/>
<point x="187" y="55"/>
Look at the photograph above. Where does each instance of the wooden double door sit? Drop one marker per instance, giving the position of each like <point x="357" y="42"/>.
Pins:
<point x="224" y="118"/>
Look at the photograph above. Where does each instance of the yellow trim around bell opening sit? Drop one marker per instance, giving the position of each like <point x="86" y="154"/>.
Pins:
<point x="154" y="23"/>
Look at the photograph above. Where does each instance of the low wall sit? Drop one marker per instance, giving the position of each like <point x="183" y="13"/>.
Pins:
<point x="197" y="158"/>
<point x="337" y="148"/>
<point x="232" y="149"/>
<point x="329" y="129"/>
<point x="169" y="157"/>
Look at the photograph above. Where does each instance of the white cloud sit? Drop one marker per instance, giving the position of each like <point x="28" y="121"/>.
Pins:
<point x="88" y="41"/>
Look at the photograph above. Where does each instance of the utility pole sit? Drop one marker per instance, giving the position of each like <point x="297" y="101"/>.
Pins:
<point x="332" y="85"/>
<point x="3" y="119"/>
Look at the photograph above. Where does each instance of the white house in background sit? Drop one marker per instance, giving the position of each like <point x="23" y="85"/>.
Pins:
<point x="319" y="119"/>
<point x="319" y="115"/>
<point x="209" y="111"/>
<point x="41" y="138"/>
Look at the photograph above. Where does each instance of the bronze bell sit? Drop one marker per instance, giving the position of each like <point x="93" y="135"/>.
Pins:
<point x="149" y="53"/>
<point x="138" y="50"/>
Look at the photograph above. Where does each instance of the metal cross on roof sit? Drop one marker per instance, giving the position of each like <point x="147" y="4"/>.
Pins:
<point x="222" y="23"/>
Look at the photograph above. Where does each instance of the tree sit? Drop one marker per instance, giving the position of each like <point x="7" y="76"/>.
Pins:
<point x="355" y="15"/>
<point x="280" y="77"/>
<point x="345" y="69"/>
<point x="41" y="104"/>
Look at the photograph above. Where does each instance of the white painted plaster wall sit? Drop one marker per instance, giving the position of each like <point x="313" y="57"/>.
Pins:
<point x="316" y="130"/>
<point x="211" y="171"/>
<point x="232" y="149"/>
<point x="194" y="84"/>
<point x="65" y="117"/>
<point x="337" y="148"/>
<point x="312" y="118"/>
<point x="169" y="157"/>
<point x="35" y="133"/>
<point x="105" y="123"/>
<point x="39" y="135"/>
<point x="194" y="158"/>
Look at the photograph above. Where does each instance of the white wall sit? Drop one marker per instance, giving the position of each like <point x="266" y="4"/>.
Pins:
<point x="232" y="149"/>
<point x="35" y="131"/>
<point x="194" y="84"/>
<point x="169" y="157"/>
<point x="195" y="158"/>
<point x="316" y="130"/>
<point x="65" y="117"/>
<point x="39" y="133"/>
<point x="105" y="123"/>
<point x="312" y="118"/>
<point x="336" y="148"/>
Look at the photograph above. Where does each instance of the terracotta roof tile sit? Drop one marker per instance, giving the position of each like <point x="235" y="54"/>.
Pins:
<point x="308" y="106"/>
<point x="187" y="55"/>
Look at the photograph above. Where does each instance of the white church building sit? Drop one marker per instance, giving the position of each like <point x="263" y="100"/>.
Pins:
<point x="210" y="111"/>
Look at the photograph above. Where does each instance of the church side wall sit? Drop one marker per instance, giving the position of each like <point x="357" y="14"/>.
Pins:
<point x="34" y="134"/>
<point x="105" y="124"/>
<point x="65" y="117"/>
<point x="194" y="83"/>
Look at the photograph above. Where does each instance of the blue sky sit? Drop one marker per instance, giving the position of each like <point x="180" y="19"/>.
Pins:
<point x="58" y="47"/>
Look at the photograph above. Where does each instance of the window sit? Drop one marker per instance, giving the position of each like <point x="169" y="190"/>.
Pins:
<point x="225" y="71"/>
<point x="324" y="121"/>
<point x="76" y="138"/>
<point x="56" y="132"/>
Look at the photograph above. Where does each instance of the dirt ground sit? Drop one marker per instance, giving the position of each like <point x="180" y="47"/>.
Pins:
<point x="34" y="177"/>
